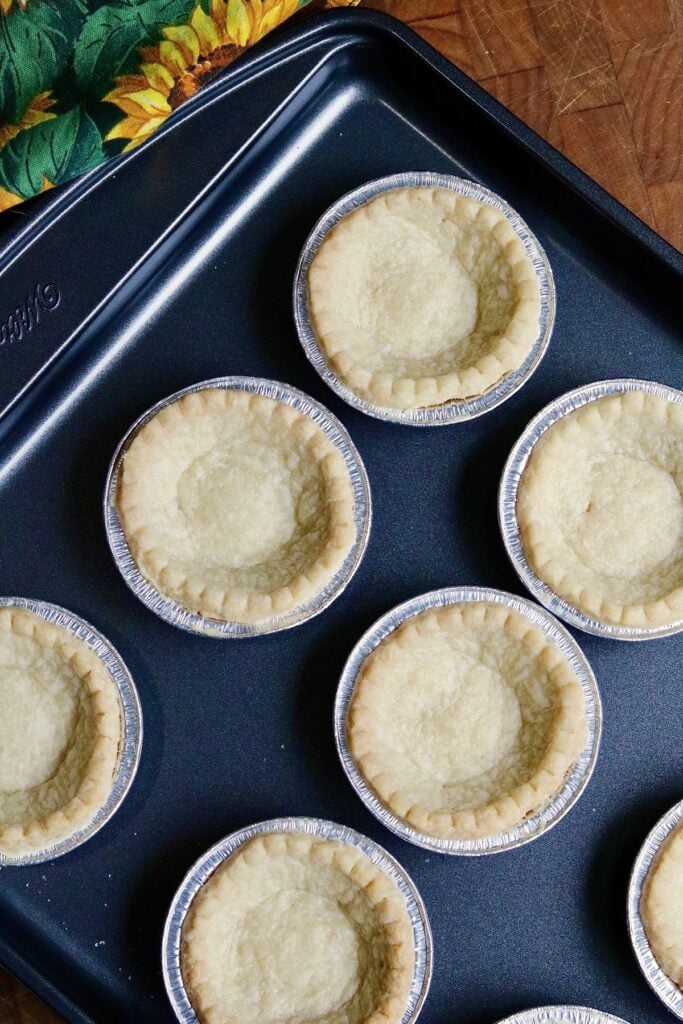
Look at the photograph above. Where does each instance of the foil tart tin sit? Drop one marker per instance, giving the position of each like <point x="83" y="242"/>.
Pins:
<point x="131" y="719"/>
<point x="507" y="505"/>
<point x="457" y="410"/>
<point x="669" y="993"/>
<point x="563" y="1015"/>
<point x="173" y="612"/>
<point x="532" y="827"/>
<point x="208" y="862"/>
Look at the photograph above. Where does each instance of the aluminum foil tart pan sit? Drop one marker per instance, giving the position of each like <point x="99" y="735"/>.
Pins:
<point x="207" y="864"/>
<point x="183" y="618"/>
<point x="563" y="1015"/>
<point x="459" y="409"/>
<point x="575" y="783"/>
<point x="131" y="718"/>
<point x="669" y="993"/>
<point x="507" y="505"/>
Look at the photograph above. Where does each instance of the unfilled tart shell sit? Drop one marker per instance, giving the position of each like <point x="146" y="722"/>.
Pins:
<point x="60" y="731"/>
<point x="236" y="506"/>
<point x="466" y="720"/>
<point x="301" y="929"/>
<point x="600" y="509"/>
<point x="423" y="296"/>
<point x="662" y="906"/>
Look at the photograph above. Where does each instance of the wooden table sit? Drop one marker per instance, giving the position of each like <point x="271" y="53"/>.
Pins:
<point x="602" y="80"/>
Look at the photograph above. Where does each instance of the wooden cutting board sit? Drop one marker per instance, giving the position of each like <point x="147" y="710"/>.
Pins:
<point x="602" y="80"/>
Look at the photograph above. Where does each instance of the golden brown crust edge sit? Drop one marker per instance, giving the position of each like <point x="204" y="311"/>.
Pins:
<point x="379" y="889"/>
<point x="505" y="813"/>
<point x="16" y="840"/>
<point x="243" y="606"/>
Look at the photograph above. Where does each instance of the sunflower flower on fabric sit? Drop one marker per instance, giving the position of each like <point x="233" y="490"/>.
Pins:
<point x="110" y="73"/>
<point x="186" y="58"/>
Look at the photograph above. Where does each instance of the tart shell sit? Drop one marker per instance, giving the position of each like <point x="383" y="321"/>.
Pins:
<point x="86" y="778"/>
<point x="543" y="545"/>
<point x="243" y="400"/>
<point x="489" y="353"/>
<point x="523" y="831"/>
<point x="366" y="724"/>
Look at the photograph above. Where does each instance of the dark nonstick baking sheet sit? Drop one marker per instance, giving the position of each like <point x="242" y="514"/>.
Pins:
<point x="175" y="265"/>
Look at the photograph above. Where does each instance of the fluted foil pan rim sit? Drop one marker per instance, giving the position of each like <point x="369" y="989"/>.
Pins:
<point x="507" y="505"/>
<point x="173" y="612"/>
<point x="458" y="410"/>
<point x="131" y="721"/>
<point x="204" y="867"/>
<point x="663" y="986"/>
<point x="532" y="827"/>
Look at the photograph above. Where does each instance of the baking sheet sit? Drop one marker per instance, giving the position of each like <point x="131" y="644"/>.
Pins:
<point x="237" y="733"/>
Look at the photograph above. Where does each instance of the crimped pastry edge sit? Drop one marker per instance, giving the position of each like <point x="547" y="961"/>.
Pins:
<point x="651" y="926"/>
<point x="510" y="810"/>
<point x="246" y="606"/>
<point x="379" y="889"/>
<point x="96" y="783"/>
<point x="667" y="609"/>
<point x="505" y="356"/>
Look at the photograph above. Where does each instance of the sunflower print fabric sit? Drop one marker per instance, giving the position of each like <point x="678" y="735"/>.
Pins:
<point x="84" y="80"/>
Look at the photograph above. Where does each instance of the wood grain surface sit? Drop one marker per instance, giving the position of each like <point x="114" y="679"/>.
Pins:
<point x="602" y="80"/>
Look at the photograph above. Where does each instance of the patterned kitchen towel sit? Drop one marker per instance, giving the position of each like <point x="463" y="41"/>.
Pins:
<point x="83" y="80"/>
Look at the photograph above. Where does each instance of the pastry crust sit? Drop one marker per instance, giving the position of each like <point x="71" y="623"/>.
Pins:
<point x="300" y="929"/>
<point x="423" y="296"/>
<point x="235" y="505"/>
<point x="466" y="720"/>
<point x="60" y="731"/>
<point x="662" y="907"/>
<point x="600" y="509"/>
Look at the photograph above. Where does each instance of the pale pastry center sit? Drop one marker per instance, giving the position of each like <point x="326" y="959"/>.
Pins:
<point x="39" y="716"/>
<point x="466" y="720"/>
<point x="297" y="950"/>
<point x="238" y="505"/>
<point x="420" y="305"/>
<point x="632" y="520"/>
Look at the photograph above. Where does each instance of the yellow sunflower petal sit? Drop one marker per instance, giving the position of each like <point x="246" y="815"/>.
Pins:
<point x="125" y="129"/>
<point x="35" y="113"/>
<point x="185" y="38"/>
<point x="219" y="12"/>
<point x="150" y="126"/>
<point x="8" y="199"/>
<point x="132" y="144"/>
<point x="159" y="77"/>
<point x="207" y="31"/>
<point x="126" y="84"/>
<point x="144" y="131"/>
<point x="32" y="117"/>
<point x="43" y="101"/>
<point x="173" y="57"/>
<point x="149" y="54"/>
<point x="238" y="22"/>
<point x="273" y="17"/>
<point x="148" y="100"/>
<point x="7" y="133"/>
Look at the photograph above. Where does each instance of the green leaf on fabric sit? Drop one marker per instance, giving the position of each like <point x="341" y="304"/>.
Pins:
<point x="112" y="32"/>
<point x="35" y="44"/>
<point x="55" y="150"/>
